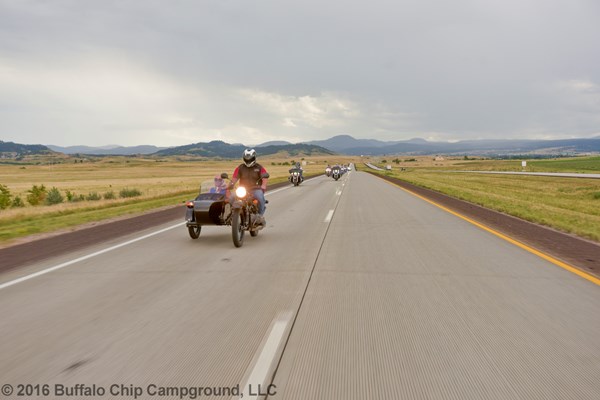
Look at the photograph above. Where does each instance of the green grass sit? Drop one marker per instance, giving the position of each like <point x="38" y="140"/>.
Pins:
<point x="586" y="164"/>
<point x="567" y="204"/>
<point x="22" y="225"/>
<point x="577" y="164"/>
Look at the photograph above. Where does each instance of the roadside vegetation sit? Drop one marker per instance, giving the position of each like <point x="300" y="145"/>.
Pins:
<point x="568" y="204"/>
<point x="51" y="196"/>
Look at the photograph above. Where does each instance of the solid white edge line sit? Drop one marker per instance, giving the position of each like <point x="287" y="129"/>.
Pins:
<point x="66" y="264"/>
<point x="97" y="253"/>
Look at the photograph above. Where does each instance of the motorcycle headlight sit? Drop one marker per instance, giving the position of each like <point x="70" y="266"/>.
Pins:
<point x="240" y="192"/>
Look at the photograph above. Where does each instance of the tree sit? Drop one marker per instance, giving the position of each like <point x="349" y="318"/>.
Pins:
<point x="54" y="197"/>
<point x="4" y="197"/>
<point x="37" y="194"/>
<point x="17" y="202"/>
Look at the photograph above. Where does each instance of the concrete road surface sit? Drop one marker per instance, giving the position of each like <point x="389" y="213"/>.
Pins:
<point x="356" y="290"/>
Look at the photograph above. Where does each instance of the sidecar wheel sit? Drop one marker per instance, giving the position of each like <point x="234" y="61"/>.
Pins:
<point x="194" y="231"/>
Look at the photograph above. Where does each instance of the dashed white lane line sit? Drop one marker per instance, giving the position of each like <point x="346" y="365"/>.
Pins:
<point x="329" y="216"/>
<point x="266" y="359"/>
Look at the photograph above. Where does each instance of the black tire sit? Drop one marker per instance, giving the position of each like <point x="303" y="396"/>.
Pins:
<point x="194" y="231"/>
<point x="237" y="230"/>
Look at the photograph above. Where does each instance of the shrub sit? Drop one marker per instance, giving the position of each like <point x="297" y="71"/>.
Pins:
<point x="54" y="197"/>
<point x="4" y="197"/>
<point x="109" y="195"/>
<point x="597" y="195"/>
<point x="74" y="197"/>
<point x="93" y="196"/>
<point x="37" y="194"/>
<point x="17" y="202"/>
<point x="126" y="192"/>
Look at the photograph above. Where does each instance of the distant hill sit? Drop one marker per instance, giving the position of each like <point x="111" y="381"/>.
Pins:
<point x="345" y="143"/>
<point x="348" y="145"/>
<point x="274" y="143"/>
<point x="218" y="148"/>
<point x="13" y="150"/>
<point x="107" y="150"/>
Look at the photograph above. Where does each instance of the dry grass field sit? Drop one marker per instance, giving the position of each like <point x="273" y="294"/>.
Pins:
<point x="162" y="182"/>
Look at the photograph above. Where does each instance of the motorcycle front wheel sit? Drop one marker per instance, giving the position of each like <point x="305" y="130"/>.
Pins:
<point x="237" y="228"/>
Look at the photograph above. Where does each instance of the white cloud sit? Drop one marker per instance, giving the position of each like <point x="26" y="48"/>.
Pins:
<point x="322" y="111"/>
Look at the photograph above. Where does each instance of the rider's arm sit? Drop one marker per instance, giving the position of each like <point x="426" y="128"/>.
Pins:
<point x="235" y="177"/>
<point x="263" y="186"/>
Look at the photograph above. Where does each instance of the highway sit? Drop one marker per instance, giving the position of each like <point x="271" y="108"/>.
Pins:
<point x="355" y="290"/>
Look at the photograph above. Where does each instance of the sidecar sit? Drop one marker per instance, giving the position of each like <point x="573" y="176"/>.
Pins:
<point x="210" y="207"/>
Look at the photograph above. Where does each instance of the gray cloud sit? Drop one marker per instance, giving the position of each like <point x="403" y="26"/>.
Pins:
<point x="168" y="73"/>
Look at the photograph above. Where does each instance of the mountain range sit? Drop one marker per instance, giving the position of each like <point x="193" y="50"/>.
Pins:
<point x="346" y="144"/>
<point x="218" y="148"/>
<point x="341" y="144"/>
<point x="11" y="149"/>
<point x="106" y="150"/>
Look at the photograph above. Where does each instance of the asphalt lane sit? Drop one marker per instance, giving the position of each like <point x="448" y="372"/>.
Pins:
<point x="356" y="290"/>
<point x="167" y="310"/>
<point x="410" y="302"/>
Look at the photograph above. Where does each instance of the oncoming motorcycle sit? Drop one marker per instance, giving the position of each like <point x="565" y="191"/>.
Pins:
<point x="224" y="207"/>
<point x="295" y="177"/>
<point x="336" y="172"/>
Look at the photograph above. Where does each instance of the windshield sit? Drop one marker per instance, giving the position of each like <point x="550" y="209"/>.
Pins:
<point x="214" y="186"/>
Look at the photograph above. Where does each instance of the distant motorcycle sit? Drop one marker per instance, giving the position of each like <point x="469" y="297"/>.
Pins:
<point x="336" y="173"/>
<point x="328" y="171"/>
<point x="295" y="177"/>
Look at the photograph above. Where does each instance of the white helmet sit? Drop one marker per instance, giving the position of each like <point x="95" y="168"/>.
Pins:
<point x="249" y="157"/>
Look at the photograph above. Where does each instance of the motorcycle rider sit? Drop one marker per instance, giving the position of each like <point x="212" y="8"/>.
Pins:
<point x="249" y="173"/>
<point x="297" y="167"/>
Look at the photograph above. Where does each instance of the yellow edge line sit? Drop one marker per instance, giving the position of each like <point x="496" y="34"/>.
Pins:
<point x="538" y="253"/>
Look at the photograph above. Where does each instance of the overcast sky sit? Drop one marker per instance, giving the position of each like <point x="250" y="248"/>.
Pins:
<point x="175" y="72"/>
